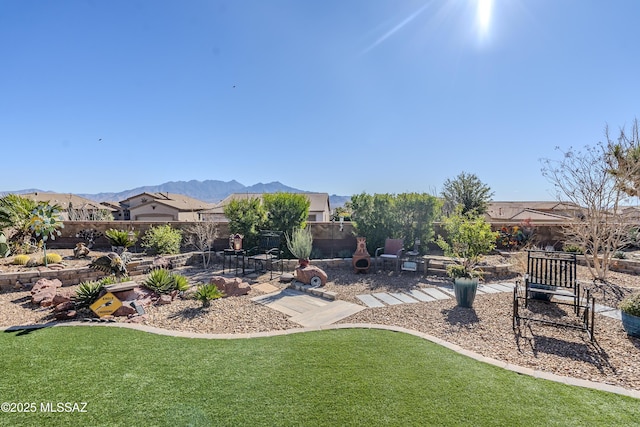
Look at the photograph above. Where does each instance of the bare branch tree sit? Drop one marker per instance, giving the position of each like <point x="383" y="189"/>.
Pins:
<point x="201" y="235"/>
<point x="599" y="227"/>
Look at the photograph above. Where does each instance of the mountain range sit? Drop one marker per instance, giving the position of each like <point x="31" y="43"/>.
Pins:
<point x="208" y="190"/>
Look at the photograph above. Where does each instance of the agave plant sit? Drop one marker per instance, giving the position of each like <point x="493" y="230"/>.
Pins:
<point x="87" y="293"/>
<point x="205" y="293"/>
<point x="180" y="282"/>
<point x="160" y="281"/>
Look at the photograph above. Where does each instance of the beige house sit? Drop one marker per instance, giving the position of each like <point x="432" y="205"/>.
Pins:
<point x="319" y="208"/>
<point x="535" y="211"/>
<point x="74" y="208"/>
<point x="161" y="207"/>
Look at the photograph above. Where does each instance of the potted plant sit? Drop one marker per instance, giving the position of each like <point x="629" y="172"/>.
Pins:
<point x="120" y="239"/>
<point x="468" y="237"/>
<point x="630" y="311"/>
<point x="300" y="244"/>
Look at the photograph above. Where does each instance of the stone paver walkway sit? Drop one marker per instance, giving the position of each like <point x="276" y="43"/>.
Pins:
<point x="308" y="310"/>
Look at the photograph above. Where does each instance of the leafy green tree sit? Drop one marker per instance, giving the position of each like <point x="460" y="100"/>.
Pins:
<point x="246" y="217"/>
<point x="466" y="190"/>
<point x="45" y="222"/>
<point x="467" y="238"/>
<point x="381" y="216"/>
<point x="286" y="211"/>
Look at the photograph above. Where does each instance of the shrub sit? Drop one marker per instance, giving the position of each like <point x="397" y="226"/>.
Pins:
<point x="300" y="242"/>
<point x="619" y="255"/>
<point x="573" y="248"/>
<point x="21" y="259"/>
<point x="51" y="258"/>
<point x="181" y="283"/>
<point x="631" y="305"/>
<point x="121" y="237"/>
<point x="162" y="281"/>
<point x="162" y="240"/>
<point x="87" y="293"/>
<point x="205" y="293"/>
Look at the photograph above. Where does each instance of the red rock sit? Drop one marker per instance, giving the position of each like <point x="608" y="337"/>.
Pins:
<point x="231" y="287"/>
<point x="44" y="291"/>
<point x="64" y="306"/>
<point x="63" y="295"/>
<point x="66" y="315"/>
<point x="164" y="299"/>
<point x="305" y="274"/>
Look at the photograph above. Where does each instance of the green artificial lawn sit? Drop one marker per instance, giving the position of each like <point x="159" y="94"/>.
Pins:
<point x="349" y="377"/>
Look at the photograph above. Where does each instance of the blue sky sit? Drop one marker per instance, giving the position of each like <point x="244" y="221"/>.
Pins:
<point x="380" y="96"/>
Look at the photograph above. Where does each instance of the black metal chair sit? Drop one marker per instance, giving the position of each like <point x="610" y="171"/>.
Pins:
<point x="268" y="255"/>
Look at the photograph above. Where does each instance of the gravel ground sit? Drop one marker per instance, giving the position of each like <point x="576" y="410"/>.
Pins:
<point x="614" y="358"/>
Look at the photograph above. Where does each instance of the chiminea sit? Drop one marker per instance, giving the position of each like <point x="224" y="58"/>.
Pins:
<point x="361" y="259"/>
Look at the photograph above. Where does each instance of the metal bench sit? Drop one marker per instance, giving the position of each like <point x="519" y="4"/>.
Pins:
<point x="551" y="278"/>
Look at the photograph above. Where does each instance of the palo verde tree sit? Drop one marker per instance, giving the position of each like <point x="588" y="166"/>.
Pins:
<point x="468" y="191"/>
<point x="584" y="178"/>
<point x="286" y="211"/>
<point x="246" y="217"/>
<point x="408" y="216"/>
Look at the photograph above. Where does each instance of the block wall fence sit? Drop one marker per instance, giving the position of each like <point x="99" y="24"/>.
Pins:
<point x="327" y="236"/>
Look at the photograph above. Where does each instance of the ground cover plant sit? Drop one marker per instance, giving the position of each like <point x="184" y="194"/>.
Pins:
<point x="336" y="377"/>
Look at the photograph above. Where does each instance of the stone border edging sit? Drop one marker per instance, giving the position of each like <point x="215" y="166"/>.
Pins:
<point x="504" y="365"/>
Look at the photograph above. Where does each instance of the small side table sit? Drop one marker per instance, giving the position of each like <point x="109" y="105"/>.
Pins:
<point x="411" y="261"/>
<point x="233" y="256"/>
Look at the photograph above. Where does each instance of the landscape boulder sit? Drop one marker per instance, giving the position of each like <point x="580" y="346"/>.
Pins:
<point x="231" y="287"/>
<point x="44" y="291"/>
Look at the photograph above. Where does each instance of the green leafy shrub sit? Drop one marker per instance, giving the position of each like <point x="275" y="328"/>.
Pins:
<point x="162" y="240"/>
<point x="87" y="293"/>
<point x="631" y="305"/>
<point x="51" y="258"/>
<point x="573" y="249"/>
<point x="162" y="281"/>
<point x="21" y="259"/>
<point x="121" y="237"/>
<point x="205" y="293"/>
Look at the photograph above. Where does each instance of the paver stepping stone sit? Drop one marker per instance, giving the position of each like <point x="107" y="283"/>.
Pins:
<point x="446" y="290"/>
<point x="290" y="301"/>
<point x="435" y="293"/>
<point x="403" y="297"/>
<point x="488" y="290"/>
<point x="266" y="287"/>
<point x="370" y="301"/>
<point x="328" y="314"/>
<point x="502" y="287"/>
<point x="421" y="296"/>
<point x="387" y="298"/>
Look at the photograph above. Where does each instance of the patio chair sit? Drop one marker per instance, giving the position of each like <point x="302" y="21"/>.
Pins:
<point x="392" y="252"/>
<point x="267" y="256"/>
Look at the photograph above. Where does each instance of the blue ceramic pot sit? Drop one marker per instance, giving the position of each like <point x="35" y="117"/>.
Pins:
<point x="465" y="290"/>
<point x="631" y="324"/>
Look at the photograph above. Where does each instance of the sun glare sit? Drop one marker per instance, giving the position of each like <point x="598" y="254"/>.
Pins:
<point x="484" y="14"/>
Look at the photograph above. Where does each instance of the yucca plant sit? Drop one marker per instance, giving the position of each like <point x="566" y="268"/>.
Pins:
<point x="21" y="259"/>
<point x="205" y="293"/>
<point x="160" y="281"/>
<point x="87" y="293"/>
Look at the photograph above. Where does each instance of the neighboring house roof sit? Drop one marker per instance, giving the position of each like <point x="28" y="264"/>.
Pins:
<point x="515" y="210"/>
<point x="177" y="201"/>
<point x="64" y="199"/>
<point x="538" y="216"/>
